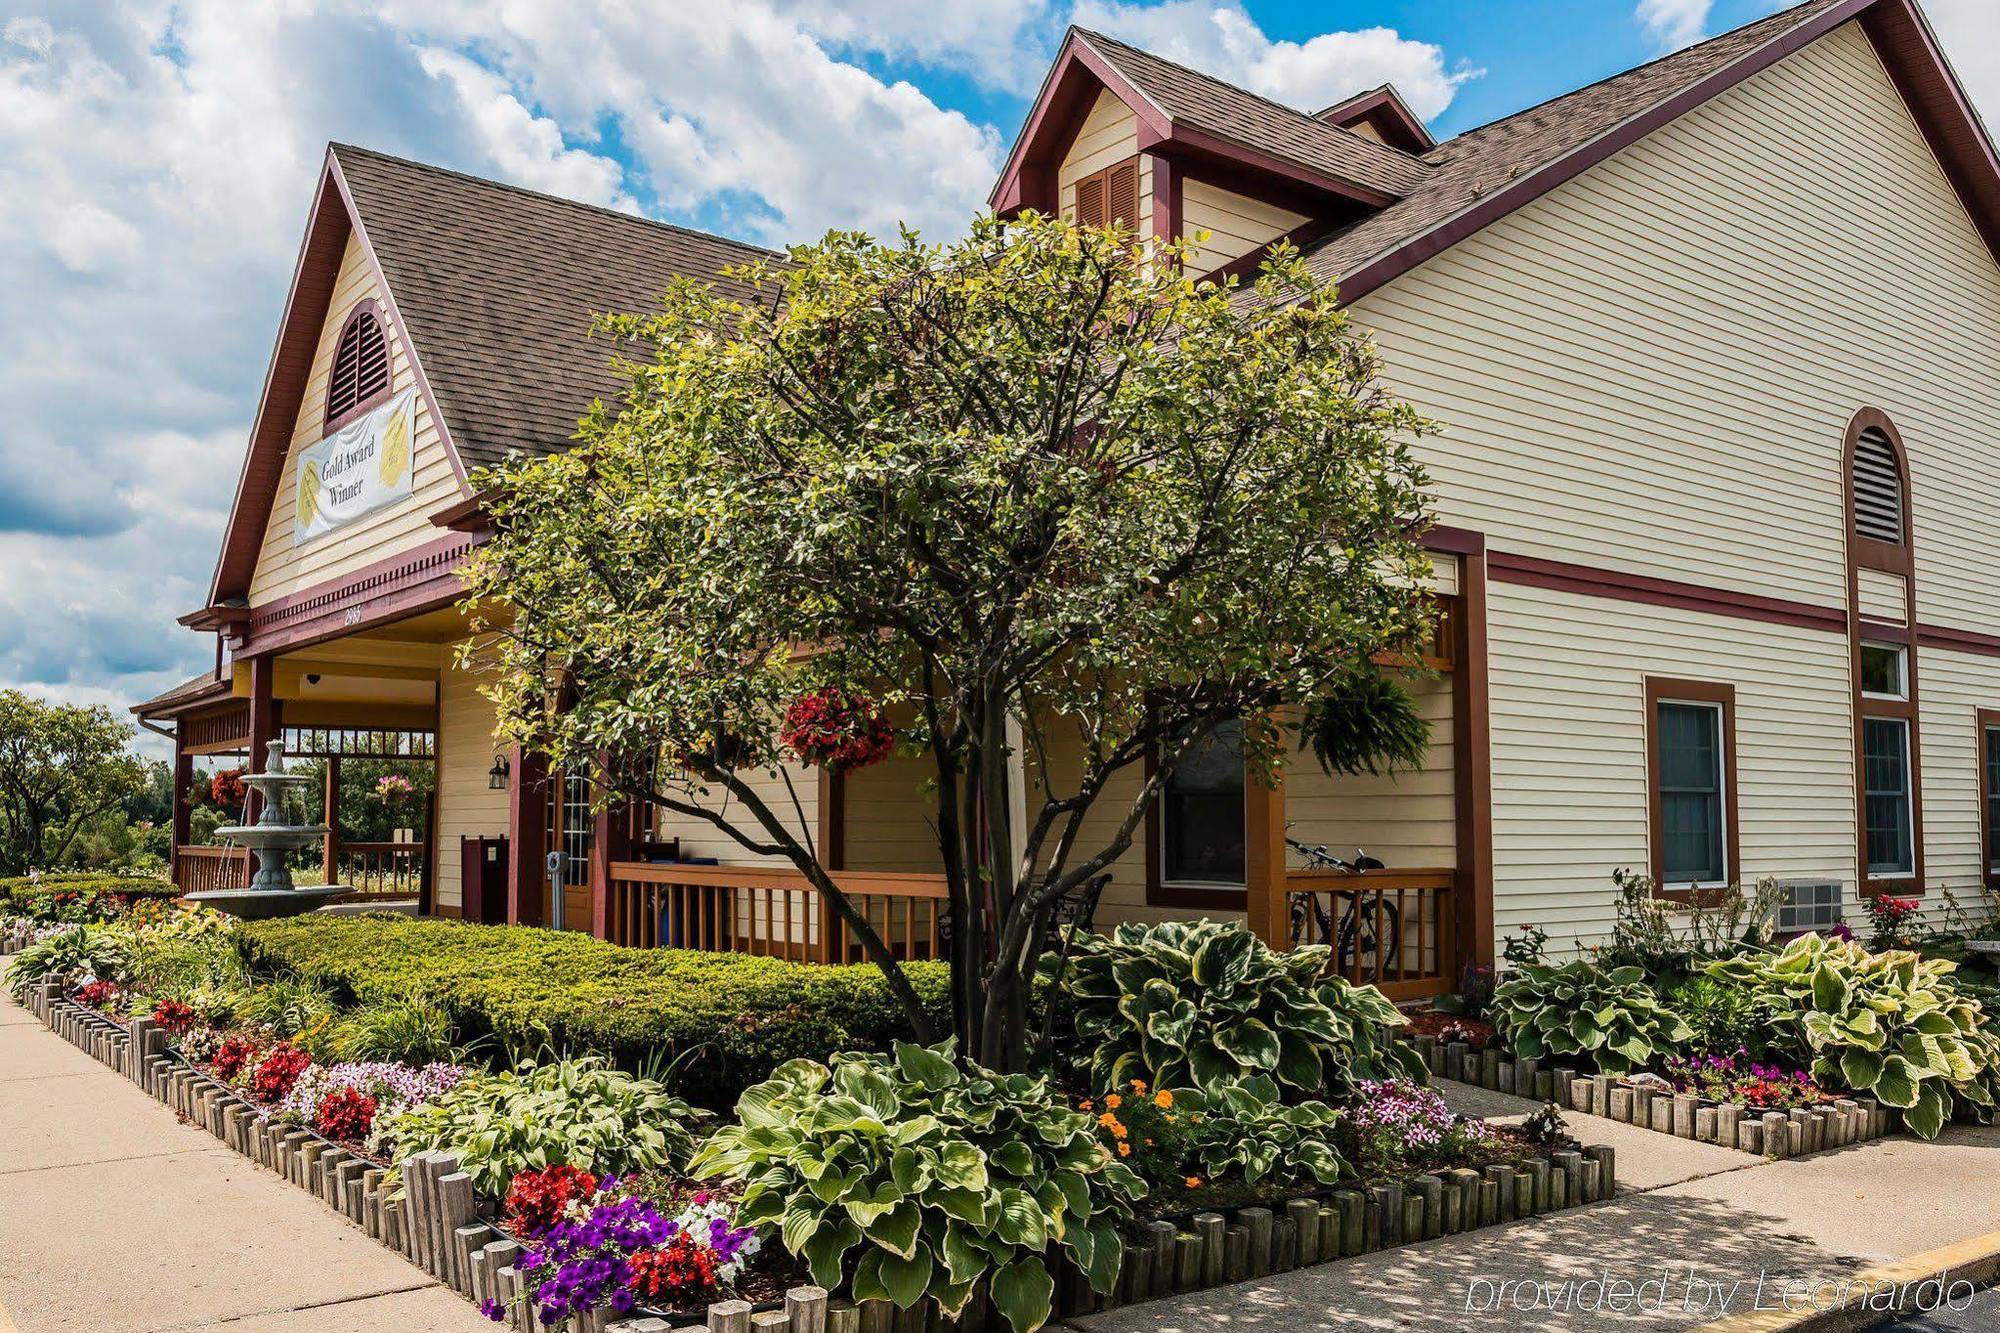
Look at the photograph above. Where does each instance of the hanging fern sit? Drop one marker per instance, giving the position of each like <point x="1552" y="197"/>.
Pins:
<point x="1368" y="723"/>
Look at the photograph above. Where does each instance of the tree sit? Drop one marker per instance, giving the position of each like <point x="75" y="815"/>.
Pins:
<point x="62" y="767"/>
<point x="1036" y="489"/>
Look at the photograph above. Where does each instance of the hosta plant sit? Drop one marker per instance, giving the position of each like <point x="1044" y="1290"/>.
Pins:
<point x="82" y="951"/>
<point x="579" y="1111"/>
<point x="1205" y="1003"/>
<point x="1890" y="1025"/>
<point x="1608" y="1016"/>
<point x="913" y="1178"/>
<point x="1245" y="1134"/>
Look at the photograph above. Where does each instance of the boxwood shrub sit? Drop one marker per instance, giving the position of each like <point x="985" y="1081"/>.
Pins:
<point x="710" y="1024"/>
<point x="87" y="882"/>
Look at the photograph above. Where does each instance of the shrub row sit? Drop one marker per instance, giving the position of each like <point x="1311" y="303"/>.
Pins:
<point x="722" y="1021"/>
<point x="90" y="883"/>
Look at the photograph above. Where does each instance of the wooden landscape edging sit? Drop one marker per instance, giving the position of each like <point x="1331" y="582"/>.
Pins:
<point x="434" y="1221"/>
<point x="1684" y="1115"/>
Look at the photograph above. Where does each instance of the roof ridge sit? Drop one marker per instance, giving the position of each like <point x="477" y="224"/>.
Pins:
<point x="1414" y="158"/>
<point x="431" y="168"/>
<point x="1772" y="19"/>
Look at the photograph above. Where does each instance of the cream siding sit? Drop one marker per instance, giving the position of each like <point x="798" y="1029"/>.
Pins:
<point x="1110" y="133"/>
<point x="1226" y="225"/>
<point x="1951" y="688"/>
<point x="791" y="791"/>
<point x="1883" y="596"/>
<point x="284" y="566"/>
<point x="1651" y="370"/>
<point x="466" y="806"/>
<point x="891" y="816"/>
<point x="1568" y="717"/>
<point x="1653" y="366"/>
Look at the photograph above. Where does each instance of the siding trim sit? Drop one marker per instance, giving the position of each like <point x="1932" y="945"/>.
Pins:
<point x="1666" y="689"/>
<point x="1898" y="558"/>
<point x="1591" y="581"/>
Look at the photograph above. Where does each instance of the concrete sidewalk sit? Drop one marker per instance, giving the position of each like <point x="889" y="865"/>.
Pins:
<point x="1703" y="1226"/>
<point x="115" y="1216"/>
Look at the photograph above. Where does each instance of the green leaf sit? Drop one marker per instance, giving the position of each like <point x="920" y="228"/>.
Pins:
<point x="1022" y="1293"/>
<point x="1098" y="1253"/>
<point x="906" y="1279"/>
<point x="1830" y="990"/>
<point x="1859" y="1069"/>
<point x="1896" y="1085"/>
<point x="1926" y="1117"/>
<point x="1020" y="1220"/>
<point x="896" y="1230"/>
<point x="927" y="1068"/>
<point x="1224" y="960"/>
<point x="825" y="1247"/>
<point x="1250" y="1042"/>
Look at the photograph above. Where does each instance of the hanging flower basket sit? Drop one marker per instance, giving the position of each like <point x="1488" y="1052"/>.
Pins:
<point x="392" y="789"/>
<point x="227" y="790"/>
<point x="837" y="729"/>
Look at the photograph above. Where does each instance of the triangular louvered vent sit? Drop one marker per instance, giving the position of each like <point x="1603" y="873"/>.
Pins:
<point x="1878" y="488"/>
<point x="360" y="366"/>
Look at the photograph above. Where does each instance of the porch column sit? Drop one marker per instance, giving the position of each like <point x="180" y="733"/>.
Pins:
<point x="266" y="723"/>
<point x="183" y="780"/>
<point x="527" y="836"/>
<point x="611" y="840"/>
<point x="330" y="855"/>
<point x="1017" y="786"/>
<point x="830" y="842"/>
<point x="1472" y="765"/>
<point x="1264" y="859"/>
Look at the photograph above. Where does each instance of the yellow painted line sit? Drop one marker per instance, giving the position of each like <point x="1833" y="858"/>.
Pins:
<point x="1975" y="1260"/>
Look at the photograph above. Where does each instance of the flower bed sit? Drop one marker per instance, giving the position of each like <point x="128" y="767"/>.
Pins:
<point x="569" y="1191"/>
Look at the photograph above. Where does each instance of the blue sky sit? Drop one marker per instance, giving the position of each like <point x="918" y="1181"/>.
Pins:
<point x="157" y="159"/>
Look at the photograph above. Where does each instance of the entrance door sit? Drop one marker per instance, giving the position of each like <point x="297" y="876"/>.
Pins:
<point x="572" y="828"/>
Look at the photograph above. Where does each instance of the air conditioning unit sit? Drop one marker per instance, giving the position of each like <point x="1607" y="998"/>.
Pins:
<point x="1809" y="904"/>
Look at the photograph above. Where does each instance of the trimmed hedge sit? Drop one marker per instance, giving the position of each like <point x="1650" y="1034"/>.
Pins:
<point x="90" y="883"/>
<point x="728" y="1019"/>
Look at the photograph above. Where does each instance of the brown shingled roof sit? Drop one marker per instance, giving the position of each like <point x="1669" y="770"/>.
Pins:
<point x="1189" y="97"/>
<point x="499" y="285"/>
<point x="1471" y="167"/>
<point x="187" y="692"/>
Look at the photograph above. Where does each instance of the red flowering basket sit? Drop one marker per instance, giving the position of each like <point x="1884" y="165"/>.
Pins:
<point x="227" y="789"/>
<point x="837" y="729"/>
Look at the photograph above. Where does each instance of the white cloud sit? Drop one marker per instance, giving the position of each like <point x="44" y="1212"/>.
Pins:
<point x="1673" y="24"/>
<point x="1223" y="40"/>
<point x="525" y="148"/>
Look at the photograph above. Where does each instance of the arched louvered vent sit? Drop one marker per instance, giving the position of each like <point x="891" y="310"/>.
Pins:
<point x="360" y="372"/>
<point x="1878" y="488"/>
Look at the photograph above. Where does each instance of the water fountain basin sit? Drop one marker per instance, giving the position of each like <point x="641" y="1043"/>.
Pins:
<point x="271" y="892"/>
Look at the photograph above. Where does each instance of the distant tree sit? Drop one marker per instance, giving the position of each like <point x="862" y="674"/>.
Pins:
<point x="63" y="767"/>
<point x="1036" y="489"/>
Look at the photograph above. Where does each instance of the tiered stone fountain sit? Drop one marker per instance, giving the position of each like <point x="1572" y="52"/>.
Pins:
<point x="271" y="892"/>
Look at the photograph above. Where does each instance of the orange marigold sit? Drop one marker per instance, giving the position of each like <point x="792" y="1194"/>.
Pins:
<point x="1163" y="1099"/>
<point x="1194" y="1182"/>
<point x="1086" y="1105"/>
<point x="1124" y="1150"/>
<point x="1114" y="1101"/>
<point x="1139" y="1086"/>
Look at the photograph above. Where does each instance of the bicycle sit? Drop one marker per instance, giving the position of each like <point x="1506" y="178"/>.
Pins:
<point x="1376" y="935"/>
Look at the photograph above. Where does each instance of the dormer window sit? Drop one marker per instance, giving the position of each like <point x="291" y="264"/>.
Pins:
<point x="1110" y="197"/>
<point x="1878" y="489"/>
<point x="360" y="375"/>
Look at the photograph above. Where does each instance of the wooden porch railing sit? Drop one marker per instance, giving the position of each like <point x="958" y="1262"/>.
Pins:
<point x="1391" y="928"/>
<point x="381" y="869"/>
<point x="769" y="910"/>
<point x="202" y="869"/>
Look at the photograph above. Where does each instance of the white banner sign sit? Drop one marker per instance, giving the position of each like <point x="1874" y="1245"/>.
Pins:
<point x="359" y="468"/>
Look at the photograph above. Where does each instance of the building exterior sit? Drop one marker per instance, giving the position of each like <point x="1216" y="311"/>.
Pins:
<point x="1715" y="345"/>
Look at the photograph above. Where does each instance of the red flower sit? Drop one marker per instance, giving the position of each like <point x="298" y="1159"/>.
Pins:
<point x="837" y="729"/>
<point x="227" y="789"/>
<point x="174" y="1016"/>
<point x="345" y="1114"/>
<point x="236" y="1054"/>
<point x="277" y="1072"/>
<point x="536" y="1199"/>
<point x="98" y="994"/>
<point x="680" y="1274"/>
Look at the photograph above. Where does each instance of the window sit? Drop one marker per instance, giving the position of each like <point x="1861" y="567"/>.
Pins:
<point x="1878" y="488"/>
<point x="1989" y="790"/>
<point x="572" y="829"/>
<point x="1885" y="759"/>
<point x="1691" y="761"/>
<point x="1691" y="810"/>
<point x="1110" y="196"/>
<point x="359" y="378"/>
<point x="1882" y="671"/>
<point x="1201" y="815"/>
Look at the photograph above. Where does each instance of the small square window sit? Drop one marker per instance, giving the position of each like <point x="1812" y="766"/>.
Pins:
<point x="1882" y="671"/>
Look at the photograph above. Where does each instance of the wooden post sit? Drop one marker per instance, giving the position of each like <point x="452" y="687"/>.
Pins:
<point x="266" y="723"/>
<point x="1472" y="766"/>
<point x="1264" y="858"/>
<point x="183" y="780"/>
<point x="527" y="835"/>
<point x="331" y="855"/>
<point x="611" y="840"/>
